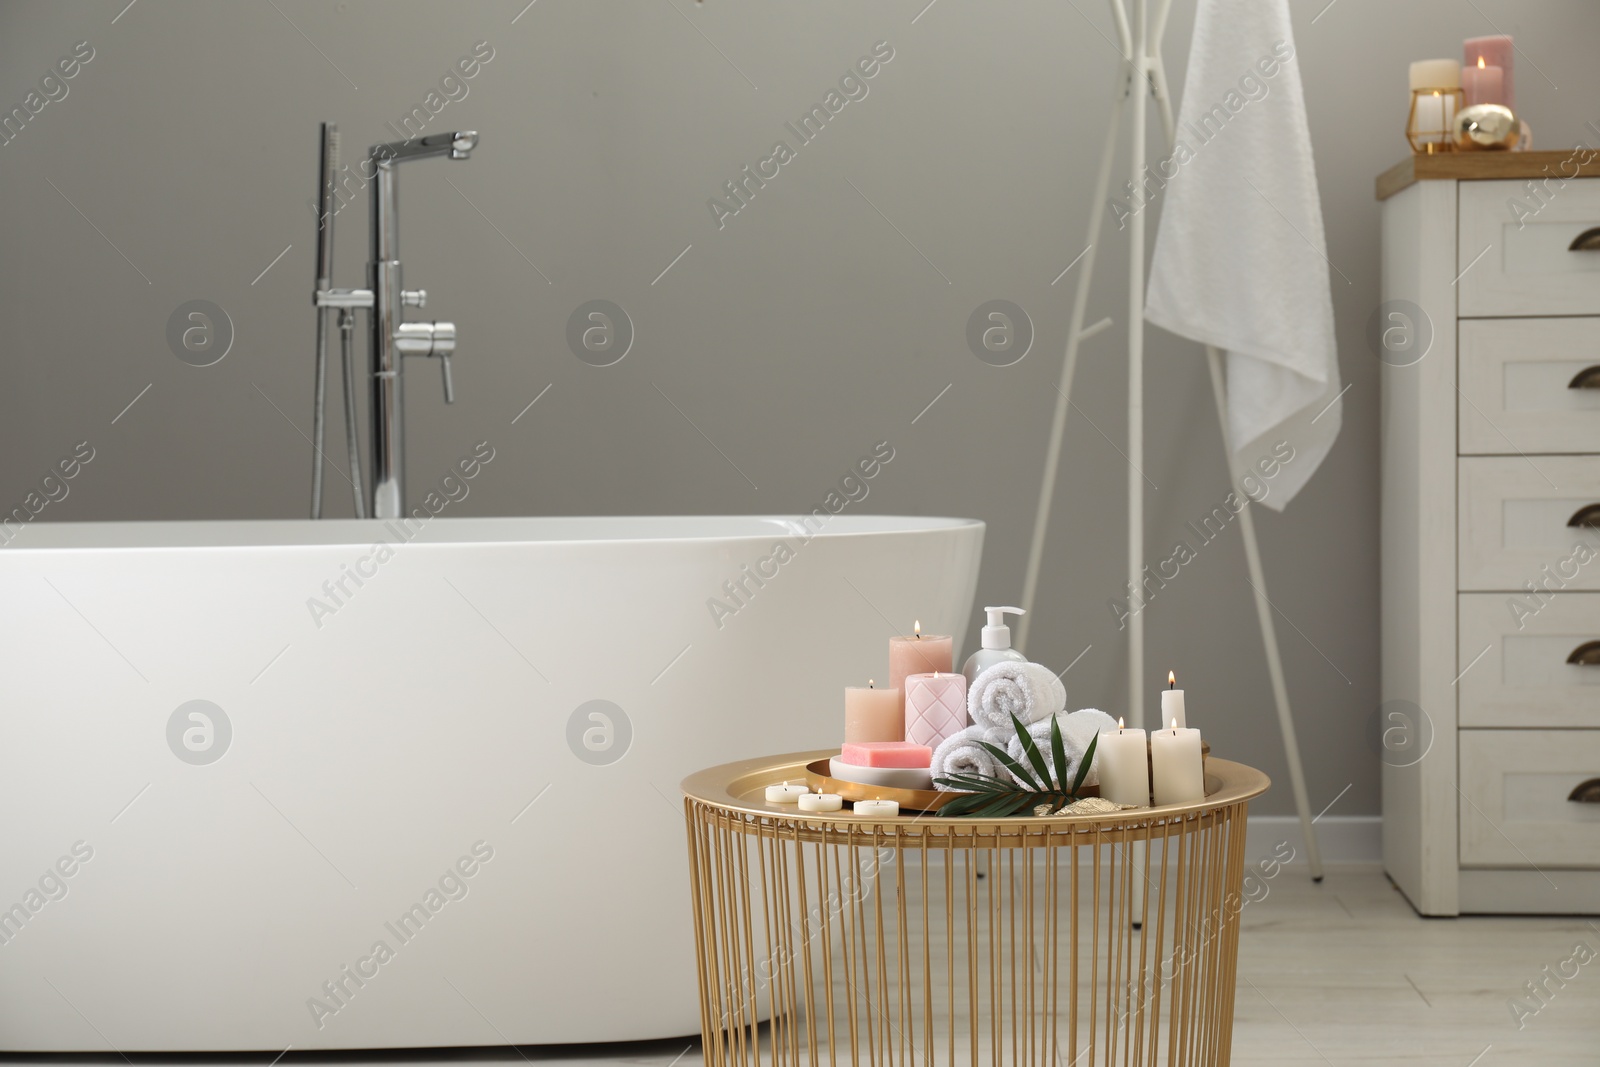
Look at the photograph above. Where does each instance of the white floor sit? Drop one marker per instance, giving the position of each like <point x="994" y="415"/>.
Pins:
<point x="1338" y="973"/>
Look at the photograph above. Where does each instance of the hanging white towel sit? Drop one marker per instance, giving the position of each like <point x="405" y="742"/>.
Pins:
<point x="1241" y="258"/>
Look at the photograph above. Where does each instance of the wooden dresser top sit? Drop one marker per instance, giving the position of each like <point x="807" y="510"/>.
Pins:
<point x="1474" y="166"/>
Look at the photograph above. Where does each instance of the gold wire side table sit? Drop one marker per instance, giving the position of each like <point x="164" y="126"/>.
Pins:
<point x="837" y="938"/>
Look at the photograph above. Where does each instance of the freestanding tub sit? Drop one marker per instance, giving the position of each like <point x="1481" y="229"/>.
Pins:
<point x="331" y="786"/>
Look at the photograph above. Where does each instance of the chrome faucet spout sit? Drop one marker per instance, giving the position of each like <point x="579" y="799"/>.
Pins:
<point x="457" y="145"/>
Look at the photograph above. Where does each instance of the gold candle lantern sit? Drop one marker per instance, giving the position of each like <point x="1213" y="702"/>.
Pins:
<point x="1435" y="100"/>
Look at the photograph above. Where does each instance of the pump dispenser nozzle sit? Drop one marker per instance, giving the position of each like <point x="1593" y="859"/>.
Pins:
<point x="996" y="644"/>
<point x="997" y="634"/>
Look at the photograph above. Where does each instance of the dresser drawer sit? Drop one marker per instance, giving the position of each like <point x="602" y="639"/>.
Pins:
<point x="1515" y="522"/>
<point x="1530" y="385"/>
<point x="1522" y="266"/>
<point x="1513" y="658"/>
<point x="1514" y="806"/>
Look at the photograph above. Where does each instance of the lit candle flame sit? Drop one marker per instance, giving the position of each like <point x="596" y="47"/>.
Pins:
<point x="869" y="684"/>
<point x="1119" y="724"/>
<point x="1480" y="62"/>
<point x="916" y="629"/>
<point x="1172" y="679"/>
<point x="1174" y="725"/>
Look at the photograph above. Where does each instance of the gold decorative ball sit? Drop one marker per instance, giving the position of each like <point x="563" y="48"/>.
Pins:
<point x="1488" y="127"/>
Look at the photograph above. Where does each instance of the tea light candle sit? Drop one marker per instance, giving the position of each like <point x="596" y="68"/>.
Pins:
<point x="877" y="808"/>
<point x="918" y="653"/>
<point x="1177" y="768"/>
<point x="1123" y="759"/>
<point x="785" y="793"/>
<point x="1172" y="701"/>
<point x="872" y="714"/>
<point x="821" y="802"/>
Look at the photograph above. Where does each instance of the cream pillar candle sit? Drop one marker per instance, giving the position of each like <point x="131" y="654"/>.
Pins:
<point x="1433" y="86"/>
<point x="1172" y="701"/>
<point x="878" y="808"/>
<point x="821" y="802"/>
<point x="872" y="714"/>
<point x="918" y="653"/>
<point x="936" y="707"/>
<point x="1123" y="759"/>
<point x="785" y="793"/>
<point x="1177" y="770"/>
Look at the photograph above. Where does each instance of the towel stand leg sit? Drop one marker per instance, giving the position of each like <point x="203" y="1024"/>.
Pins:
<point x="1269" y="633"/>
<point x="1144" y="74"/>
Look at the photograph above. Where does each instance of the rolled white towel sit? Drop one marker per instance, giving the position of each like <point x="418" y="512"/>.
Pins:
<point x="1030" y="691"/>
<point x="1077" y="730"/>
<point x="960" y="753"/>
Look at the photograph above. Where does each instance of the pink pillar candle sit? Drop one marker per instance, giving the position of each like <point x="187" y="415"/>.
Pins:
<point x="872" y="714"/>
<point x="1495" y="51"/>
<point x="936" y="707"/>
<point x="918" y="653"/>
<point x="1482" y="85"/>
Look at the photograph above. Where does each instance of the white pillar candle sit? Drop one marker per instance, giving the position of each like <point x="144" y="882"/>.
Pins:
<point x="877" y="808"/>
<point x="1177" y="769"/>
<point x="821" y="802"/>
<point x="1172" y="701"/>
<point x="1123" y="759"/>
<point x="785" y="793"/>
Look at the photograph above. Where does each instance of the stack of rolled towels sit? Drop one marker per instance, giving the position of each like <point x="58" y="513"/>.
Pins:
<point x="1034" y="696"/>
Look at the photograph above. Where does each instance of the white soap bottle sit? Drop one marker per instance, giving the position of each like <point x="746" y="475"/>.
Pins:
<point x="996" y="645"/>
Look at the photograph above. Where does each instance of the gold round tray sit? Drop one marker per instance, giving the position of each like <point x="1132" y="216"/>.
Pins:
<point x="820" y="780"/>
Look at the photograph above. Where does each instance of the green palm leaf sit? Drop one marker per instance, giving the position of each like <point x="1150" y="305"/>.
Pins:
<point x="1083" y="767"/>
<point x="990" y="796"/>
<point x="1030" y="749"/>
<point x="1058" y="753"/>
<point x="1011" y="765"/>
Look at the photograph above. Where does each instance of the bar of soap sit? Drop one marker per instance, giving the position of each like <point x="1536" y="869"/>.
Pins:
<point x="886" y="754"/>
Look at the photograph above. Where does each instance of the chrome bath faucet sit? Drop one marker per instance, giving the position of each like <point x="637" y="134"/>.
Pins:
<point x="391" y="338"/>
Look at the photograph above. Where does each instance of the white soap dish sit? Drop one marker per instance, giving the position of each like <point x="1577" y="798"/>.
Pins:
<point x="886" y="777"/>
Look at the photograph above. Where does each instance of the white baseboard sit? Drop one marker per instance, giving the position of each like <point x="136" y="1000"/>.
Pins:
<point x="1340" y="838"/>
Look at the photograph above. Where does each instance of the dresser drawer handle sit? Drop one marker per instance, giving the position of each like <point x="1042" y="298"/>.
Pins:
<point x="1586" y="792"/>
<point x="1586" y="654"/>
<point x="1587" y="378"/>
<point x="1588" y="515"/>
<point x="1587" y="241"/>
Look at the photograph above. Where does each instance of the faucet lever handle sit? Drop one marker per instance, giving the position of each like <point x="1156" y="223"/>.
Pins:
<point x="436" y="340"/>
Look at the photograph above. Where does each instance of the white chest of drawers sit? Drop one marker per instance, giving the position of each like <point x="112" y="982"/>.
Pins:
<point x="1489" y="336"/>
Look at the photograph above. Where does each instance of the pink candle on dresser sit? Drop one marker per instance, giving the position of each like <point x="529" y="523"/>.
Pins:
<point x="1495" y="51"/>
<point x="936" y="707"/>
<point x="1482" y="84"/>
<point x="872" y="714"/>
<point x="918" y="653"/>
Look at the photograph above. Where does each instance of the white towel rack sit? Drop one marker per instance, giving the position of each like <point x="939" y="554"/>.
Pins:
<point x="1141" y="52"/>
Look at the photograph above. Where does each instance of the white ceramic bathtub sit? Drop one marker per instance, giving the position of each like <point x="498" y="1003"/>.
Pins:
<point x="383" y="744"/>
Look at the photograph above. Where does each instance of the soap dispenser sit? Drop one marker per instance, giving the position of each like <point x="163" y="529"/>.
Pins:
<point x="996" y="645"/>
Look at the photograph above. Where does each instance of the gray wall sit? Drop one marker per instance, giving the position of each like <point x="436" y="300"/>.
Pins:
<point x="794" y="337"/>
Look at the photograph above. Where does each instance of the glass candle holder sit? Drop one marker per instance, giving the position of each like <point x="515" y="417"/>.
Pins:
<point x="1435" y="98"/>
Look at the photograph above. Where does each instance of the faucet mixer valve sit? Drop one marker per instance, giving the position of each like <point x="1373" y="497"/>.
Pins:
<point x="436" y="340"/>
